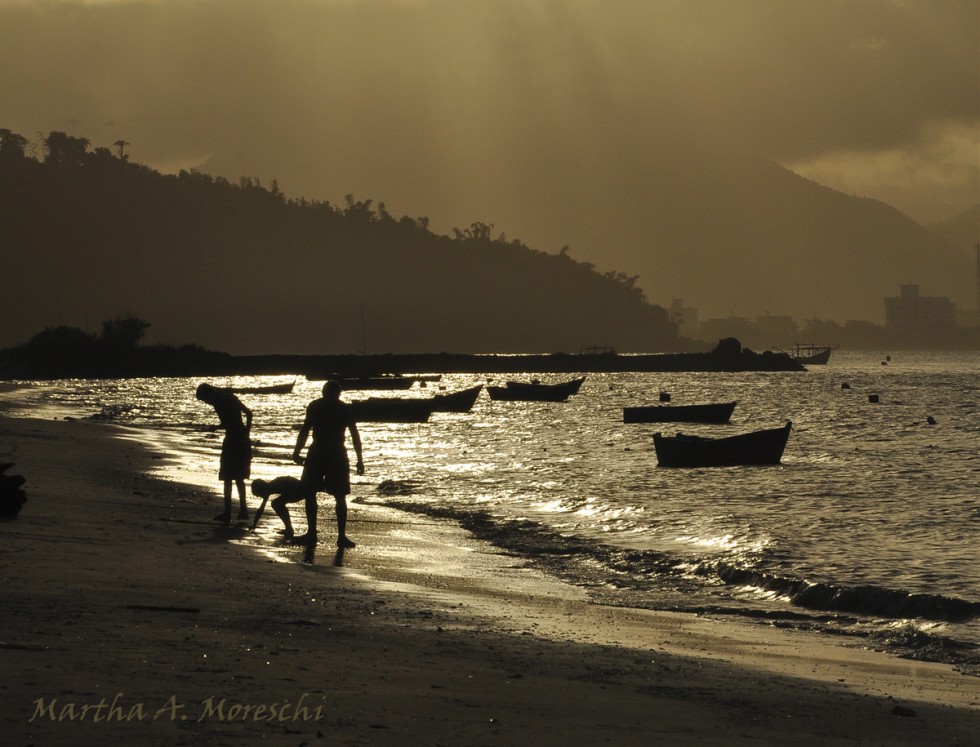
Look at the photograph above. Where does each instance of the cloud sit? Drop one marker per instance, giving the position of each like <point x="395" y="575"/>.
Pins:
<point x="928" y="177"/>
<point x="453" y="107"/>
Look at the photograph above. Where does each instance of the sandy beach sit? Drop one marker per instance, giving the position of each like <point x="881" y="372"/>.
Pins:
<point x="130" y="617"/>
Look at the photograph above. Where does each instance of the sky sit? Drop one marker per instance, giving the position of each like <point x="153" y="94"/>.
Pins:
<point x="493" y="110"/>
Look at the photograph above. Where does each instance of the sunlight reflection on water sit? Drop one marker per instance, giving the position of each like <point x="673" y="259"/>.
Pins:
<point x="867" y="493"/>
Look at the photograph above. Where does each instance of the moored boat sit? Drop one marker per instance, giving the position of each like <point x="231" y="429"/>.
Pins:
<point x="812" y="355"/>
<point x="461" y="401"/>
<point x="714" y="412"/>
<point x="413" y="409"/>
<point x="270" y="389"/>
<point x="524" y="391"/>
<point x="371" y="382"/>
<point x="763" y="447"/>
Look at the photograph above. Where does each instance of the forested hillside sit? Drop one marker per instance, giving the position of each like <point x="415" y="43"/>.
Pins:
<point x="86" y="235"/>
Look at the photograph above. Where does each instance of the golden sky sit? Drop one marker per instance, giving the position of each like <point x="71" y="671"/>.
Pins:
<point x="513" y="112"/>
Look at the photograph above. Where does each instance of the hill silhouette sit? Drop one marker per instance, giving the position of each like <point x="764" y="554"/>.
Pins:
<point x="961" y="230"/>
<point x="739" y="234"/>
<point x="241" y="268"/>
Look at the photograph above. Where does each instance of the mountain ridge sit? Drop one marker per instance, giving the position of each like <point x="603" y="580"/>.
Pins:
<point x="241" y="268"/>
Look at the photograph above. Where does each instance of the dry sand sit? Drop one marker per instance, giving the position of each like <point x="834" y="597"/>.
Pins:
<point x="118" y="590"/>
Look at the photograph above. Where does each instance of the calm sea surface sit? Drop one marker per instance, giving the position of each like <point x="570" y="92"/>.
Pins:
<point x="870" y="526"/>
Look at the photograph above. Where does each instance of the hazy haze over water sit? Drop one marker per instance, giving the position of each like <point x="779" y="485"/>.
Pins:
<point x="560" y="122"/>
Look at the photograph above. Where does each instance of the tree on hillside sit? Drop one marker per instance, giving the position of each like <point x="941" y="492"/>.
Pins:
<point x="63" y="148"/>
<point x="122" y="225"/>
<point x="12" y="145"/>
<point x="124" y="332"/>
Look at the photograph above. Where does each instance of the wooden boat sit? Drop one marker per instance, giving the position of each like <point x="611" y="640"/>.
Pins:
<point x="413" y="409"/>
<point x="715" y="412"/>
<point x="373" y="382"/>
<point x="521" y="391"/>
<point x="392" y="409"/>
<point x="270" y="389"/>
<point x="755" y="448"/>
<point x="812" y="355"/>
<point x="461" y="401"/>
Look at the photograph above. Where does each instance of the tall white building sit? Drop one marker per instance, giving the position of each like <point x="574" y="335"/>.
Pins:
<point x="912" y="314"/>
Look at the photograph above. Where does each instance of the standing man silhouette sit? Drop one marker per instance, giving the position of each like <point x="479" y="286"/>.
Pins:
<point x="326" y="467"/>
<point x="236" y="449"/>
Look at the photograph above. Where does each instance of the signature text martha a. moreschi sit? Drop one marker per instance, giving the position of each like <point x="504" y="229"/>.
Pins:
<point x="212" y="708"/>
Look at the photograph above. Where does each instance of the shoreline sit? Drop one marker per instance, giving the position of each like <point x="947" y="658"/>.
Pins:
<point x="155" y="363"/>
<point x="117" y="583"/>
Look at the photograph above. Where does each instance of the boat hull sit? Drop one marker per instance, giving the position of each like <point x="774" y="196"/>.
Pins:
<point x="519" y="391"/>
<point x="812" y="355"/>
<point x="461" y="401"/>
<point x="271" y="389"/>
<point x="720" y="412"/>
<point x="763" y="447"/>
<point x="413" y="409"/>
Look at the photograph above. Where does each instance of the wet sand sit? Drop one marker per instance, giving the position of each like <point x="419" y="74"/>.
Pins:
<point x="121" y="595"/>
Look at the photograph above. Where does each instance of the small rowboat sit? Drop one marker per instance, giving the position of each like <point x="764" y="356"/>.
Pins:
<point x="461" y="401"/>
<point x="755" y="448"/>
<point x="270" y="389"/>
<point x="522" y="391"/>
<point x="413" y="409"/>
<point x="715" y="412"/>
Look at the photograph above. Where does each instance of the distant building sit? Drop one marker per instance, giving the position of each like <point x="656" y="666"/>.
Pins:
<point x="685" y="317"/>
<point x="913" y="315"/>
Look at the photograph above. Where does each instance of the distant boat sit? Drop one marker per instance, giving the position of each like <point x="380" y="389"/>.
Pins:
<point x="756" y="448"/>
<point x="461" y="401"/>
<point x="270" y="389"/>
<point x="349" y="382"/>
<point x="812" y="355"/>
<point x="522" y="391"/>
<point x="716" y="412"/>
<point x="413" y="409"/>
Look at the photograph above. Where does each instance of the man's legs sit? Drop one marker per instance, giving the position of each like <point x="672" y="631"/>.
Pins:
<point x="309" y="496"/>
<point x="242" y="506"/>
<point x="226" y="516"/>
<point x="342" y="539"/>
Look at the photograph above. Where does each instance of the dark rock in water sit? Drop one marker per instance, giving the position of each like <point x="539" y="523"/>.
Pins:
<point x="12" y="497"/>
<point x="845" y="385"/>
<point x="728" y="346"/>
<point x="903" y="712"/>
<point x="931" y="420"/>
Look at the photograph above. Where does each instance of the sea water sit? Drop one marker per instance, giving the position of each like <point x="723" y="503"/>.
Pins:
<point x="869" y="527"/>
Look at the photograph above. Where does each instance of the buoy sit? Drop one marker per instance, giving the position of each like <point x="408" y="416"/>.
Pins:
<point x="845" y="385"/>
<point x="931" y="420"/>
<point x="665" y="396"/>
<point x="874" y="398"/>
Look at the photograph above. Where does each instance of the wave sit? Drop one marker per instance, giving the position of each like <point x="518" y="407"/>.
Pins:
<point x="865" y="600"/>
<point x="595" y="564"/>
